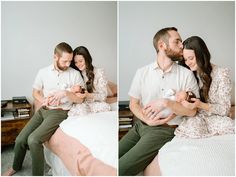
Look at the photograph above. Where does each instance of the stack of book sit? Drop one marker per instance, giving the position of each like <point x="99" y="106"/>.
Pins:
<point x="23" y="112"/>
<point x="125" y="123"/>
<point x="125" y="116"/>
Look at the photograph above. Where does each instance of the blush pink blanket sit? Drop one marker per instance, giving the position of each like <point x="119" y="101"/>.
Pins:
<point x="76" y="157"/>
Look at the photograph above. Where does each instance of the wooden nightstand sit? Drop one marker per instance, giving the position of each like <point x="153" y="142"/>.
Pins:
<point x="13" y="119"/>
<point x="125" y="122"/>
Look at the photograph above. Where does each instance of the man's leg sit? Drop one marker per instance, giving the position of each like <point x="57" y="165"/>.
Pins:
<point x="21" y="146"/>
<point x="52" y="119"/>
<point x="138" y="157"/>
<point x="129" y="140"/>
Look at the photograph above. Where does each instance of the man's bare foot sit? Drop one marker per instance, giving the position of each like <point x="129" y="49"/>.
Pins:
<point x="9" y="172"/>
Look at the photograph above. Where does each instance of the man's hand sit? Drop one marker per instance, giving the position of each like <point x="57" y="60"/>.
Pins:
<point x="157" y="121"/>
<point x="55" y="98"/>
<point x="45" y="101"/>
<point x="153" y="108"/>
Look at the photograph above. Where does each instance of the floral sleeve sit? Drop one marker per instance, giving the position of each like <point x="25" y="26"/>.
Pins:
<point x="100" y="84"/>
<point x="221" y="93"/>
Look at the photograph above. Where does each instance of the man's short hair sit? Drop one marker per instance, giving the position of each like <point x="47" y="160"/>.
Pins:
<point x="62" y="47"/>
<point x="164" y="35"/>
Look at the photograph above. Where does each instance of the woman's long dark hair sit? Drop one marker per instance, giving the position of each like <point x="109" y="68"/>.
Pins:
<point x="81" y="50"/>
<point x="203" y="57"/>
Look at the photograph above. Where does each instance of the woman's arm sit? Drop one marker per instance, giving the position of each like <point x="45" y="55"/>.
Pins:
<point x="100" y="84"/>
<point x="221" y="89"/>
<point x="75" y="98"/>
<point x="222" y="93"/>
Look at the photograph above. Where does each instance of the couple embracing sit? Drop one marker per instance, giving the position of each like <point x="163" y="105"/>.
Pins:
<point x="200" y="117"/>
<point x="56" y="88"/>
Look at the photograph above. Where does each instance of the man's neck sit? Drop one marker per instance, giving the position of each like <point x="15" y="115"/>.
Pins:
<point x="56" y="68"/>
<point x="164" y="62"/>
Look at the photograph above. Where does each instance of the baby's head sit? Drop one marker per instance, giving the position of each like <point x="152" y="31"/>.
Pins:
<point x="184" y="95"/>
<point x="76" y="88"/>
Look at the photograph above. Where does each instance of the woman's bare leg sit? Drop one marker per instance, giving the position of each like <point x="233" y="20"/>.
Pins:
<point x="9" y="172"/>
<point x="153" y="169"/>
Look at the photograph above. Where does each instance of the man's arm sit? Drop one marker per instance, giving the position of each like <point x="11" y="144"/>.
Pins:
<point x="138" y="112"/>
<point x="136" y="108"/>
<point x="38" y="95"/>
<point x="152" y="109"/>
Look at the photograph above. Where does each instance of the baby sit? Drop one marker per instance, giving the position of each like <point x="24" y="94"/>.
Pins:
<point x="75" y="89"/>
<point x="178" y="96"/>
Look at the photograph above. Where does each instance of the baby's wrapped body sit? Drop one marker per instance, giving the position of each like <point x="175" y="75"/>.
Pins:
<point x="178" y="96"/>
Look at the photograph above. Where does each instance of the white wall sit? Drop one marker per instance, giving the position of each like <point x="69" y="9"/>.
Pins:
<point x="139" y="21"/>
<point x="31" y="30"/>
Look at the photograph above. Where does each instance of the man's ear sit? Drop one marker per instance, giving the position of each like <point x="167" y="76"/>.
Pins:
<point x="161" y="45"/>
<point x="56" y="58"/>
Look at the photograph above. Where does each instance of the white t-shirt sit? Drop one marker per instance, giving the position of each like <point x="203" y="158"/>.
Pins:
<point x="151" y="83"/>
<point x="50" y="80"/>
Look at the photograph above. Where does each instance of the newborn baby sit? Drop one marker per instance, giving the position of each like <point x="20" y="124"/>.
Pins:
<point x="178" y="96"/>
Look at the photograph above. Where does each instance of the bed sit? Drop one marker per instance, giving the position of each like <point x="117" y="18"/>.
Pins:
<point x="214" y="156"/>
<point x="85" y="145"/>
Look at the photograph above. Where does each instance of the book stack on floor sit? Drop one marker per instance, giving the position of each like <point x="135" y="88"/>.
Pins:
<point x="125" y="118"/>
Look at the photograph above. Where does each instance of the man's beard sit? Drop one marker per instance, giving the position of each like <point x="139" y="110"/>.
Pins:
<point x="174" y="56"/>
<point x="60" y="67"/>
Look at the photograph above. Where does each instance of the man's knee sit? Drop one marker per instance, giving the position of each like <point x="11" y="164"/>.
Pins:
<point x="33" y="140"/>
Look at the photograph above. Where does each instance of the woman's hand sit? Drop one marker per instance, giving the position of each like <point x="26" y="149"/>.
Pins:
<point x="195" y="104"/>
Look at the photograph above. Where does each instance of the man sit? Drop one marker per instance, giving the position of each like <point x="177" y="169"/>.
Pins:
<point x="142" y="143"/>
<point x="47" y="119"/>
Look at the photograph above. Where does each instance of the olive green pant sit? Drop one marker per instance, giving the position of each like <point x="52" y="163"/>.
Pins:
<point x="140" y="145"/>
<point x="38" y="130"/>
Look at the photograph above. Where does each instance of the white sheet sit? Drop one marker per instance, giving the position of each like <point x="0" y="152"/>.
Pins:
<point x="98" y="132"/>
<point x="214" y="156"/>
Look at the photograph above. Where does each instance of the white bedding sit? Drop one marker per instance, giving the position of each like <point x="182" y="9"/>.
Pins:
<point x="214" y="156"/>
<point x="98" y="132"/>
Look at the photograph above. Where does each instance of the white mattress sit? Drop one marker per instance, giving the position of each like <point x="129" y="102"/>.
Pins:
<point x="214" y="156"/>
<point x="98" y="132"/>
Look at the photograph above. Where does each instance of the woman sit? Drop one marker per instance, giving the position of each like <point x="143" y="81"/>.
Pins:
<point x="95" y="84"/>
<point x="213" y="105"/>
